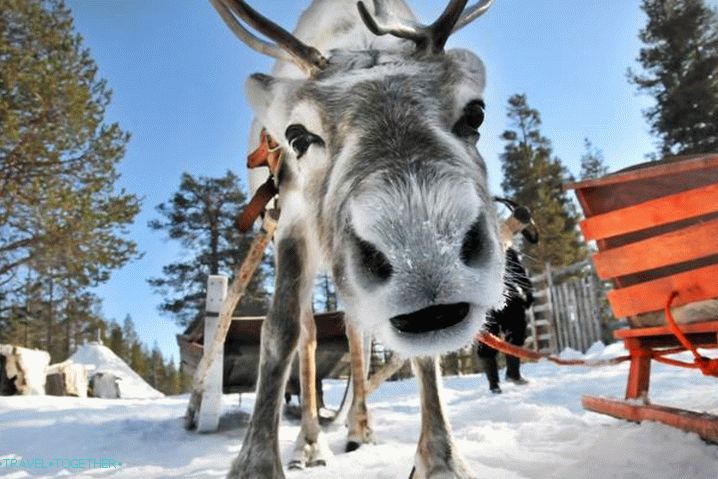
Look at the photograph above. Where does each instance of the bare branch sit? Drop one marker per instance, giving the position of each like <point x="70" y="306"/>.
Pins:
<point x="4" y="269"/>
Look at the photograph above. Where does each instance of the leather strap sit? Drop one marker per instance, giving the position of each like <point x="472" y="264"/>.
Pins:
<point x="256" y="205"/>
<point x="268" y="154"/>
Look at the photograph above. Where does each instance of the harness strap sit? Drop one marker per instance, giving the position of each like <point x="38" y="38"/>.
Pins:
<point x="268" y="154"/>
<point x="256" y="205"/>
<point x="524" y="353"/>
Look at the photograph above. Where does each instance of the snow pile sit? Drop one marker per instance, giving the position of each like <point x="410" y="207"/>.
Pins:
<point x="106" y="363"/>
<point x="536" y="431"/>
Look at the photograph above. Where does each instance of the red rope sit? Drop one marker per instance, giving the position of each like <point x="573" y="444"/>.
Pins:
<point x="523" y="353"/>
<point x="708" y="366"/>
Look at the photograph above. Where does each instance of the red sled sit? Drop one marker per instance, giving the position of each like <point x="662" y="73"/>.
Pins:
<point x="656" y="229"/>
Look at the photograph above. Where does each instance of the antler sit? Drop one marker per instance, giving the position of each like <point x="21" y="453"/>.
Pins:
<point x="428" y="38"/>
<point x="287" y="47"/>
<point x="472" y="13"/>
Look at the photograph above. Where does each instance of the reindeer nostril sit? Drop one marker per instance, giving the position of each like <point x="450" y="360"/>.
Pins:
<point x="374" y="261"/>
<point x="473" y="244"/>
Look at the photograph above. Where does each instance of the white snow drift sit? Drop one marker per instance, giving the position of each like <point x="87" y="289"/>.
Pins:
<point x="112" y="377"/>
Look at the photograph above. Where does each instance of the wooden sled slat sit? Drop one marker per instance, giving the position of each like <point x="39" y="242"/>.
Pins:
<point x="703" y="424"/>
<point x="694" y="328"/>
<point x="664" y="250"/>
<point x="695" y="285"/>
<point x="676" y="166"/>
<point x="668" y="209"/>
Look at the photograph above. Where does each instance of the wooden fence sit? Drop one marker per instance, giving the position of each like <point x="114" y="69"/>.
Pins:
<point x="568" y="310"/>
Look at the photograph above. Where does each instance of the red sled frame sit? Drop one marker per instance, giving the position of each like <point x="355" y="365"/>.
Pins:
<point x="642" y="219"/>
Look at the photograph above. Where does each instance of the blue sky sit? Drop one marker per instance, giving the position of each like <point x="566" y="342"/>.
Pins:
<point x="177" y="75"/>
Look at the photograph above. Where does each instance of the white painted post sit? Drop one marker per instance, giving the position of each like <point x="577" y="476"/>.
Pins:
<point x="211" y="406"/>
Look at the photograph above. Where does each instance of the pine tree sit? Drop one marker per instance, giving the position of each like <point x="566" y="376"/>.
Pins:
<point x="325" y="294"/>
<point x="593" y="165"/>
<point x="533" y="177"/>
<point x="117" y="341"/>
<point x="201" y="216"/>
<point x="185" y="380"/>
<point x="58" y="205"/>
<point x="130" y="338"/>
<point x="139" y="359"/>
<point x="157" y="376"/>
<point x="62" y="219"/>
<point x="680" y="71"/>
<point x="174" y="382"/>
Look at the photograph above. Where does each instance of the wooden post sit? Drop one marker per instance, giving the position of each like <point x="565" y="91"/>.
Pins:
<point x="639" y="374"/>
<point x="554" y="341"/>
<point x="235" y="292"/>
<point x="534" y="329"/>
<point x="211" y="406"/>
<point x="596" y="305"/>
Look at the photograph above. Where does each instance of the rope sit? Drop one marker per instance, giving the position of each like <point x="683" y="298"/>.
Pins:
<point x="524" y="353"/>
<point x="708" y="366"/>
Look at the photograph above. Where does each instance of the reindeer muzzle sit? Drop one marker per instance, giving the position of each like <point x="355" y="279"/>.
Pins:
<point x="433" y="318"/>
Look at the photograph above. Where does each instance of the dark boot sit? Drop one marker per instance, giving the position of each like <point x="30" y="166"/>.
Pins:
<point x="492" y="373"/>
<point x="513" y="373"/>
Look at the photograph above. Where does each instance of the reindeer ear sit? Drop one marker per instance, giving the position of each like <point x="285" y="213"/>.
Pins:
<point x="270" y="99"/>
<point x="259" y="89"/>
<point x="470" y="65"/>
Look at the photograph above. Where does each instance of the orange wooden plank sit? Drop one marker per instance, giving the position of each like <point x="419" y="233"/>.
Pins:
<point x="695" y="285"/>
<point x="692" y="242"/>
<point x="703" y="424"/>
<point x="705" y="327"/>
<point x="687" y="204"/>
<point x="670" y="166"/>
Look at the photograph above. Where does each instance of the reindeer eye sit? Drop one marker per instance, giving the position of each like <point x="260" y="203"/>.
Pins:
<point x="471" y="120"/>
<point x="300" y="139"/>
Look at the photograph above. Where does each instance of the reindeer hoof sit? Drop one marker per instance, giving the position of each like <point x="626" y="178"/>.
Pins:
<point x="352" y="446"/>
<point x="310" y="454"/>
<point x="295" y="465"/>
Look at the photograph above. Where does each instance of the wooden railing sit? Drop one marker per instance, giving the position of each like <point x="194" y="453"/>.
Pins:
<point x="568" y="309"/>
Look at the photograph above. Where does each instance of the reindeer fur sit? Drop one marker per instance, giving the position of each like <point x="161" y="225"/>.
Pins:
<point x="391" y="180"/>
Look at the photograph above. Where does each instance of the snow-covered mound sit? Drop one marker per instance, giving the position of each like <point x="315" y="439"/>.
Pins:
<point x="102" y="359"/>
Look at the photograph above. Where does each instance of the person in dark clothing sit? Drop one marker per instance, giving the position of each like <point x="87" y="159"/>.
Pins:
<point x="509" y="321"/>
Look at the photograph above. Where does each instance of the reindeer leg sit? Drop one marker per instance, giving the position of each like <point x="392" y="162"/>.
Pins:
<point x="360" y="431"/>
<point x="259" y="456"/>
<point x="310" y="448"/>
<point x="436" y="454"/>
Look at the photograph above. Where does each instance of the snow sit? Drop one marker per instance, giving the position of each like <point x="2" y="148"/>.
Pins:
<point x="537" y="431"/>
<point x="33" y="363"/>
<point x="30" y="365"/>
<point x="102" y="359"/>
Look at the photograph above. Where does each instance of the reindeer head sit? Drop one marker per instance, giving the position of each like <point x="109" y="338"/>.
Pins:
<point x="382" y="170"/>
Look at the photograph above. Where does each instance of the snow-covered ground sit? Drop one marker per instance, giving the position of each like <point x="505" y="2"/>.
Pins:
<point x="533" y="431"/>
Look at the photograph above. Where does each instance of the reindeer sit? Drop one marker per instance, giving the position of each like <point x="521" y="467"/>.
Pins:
<point x="382" y="185"/>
